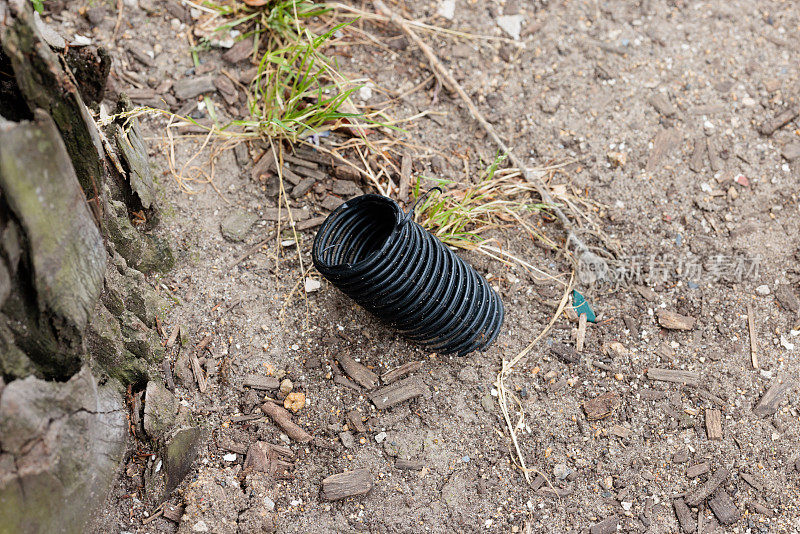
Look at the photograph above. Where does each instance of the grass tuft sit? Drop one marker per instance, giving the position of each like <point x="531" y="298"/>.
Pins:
<point x="459" y="215"/>
<point x="298" y="91"/>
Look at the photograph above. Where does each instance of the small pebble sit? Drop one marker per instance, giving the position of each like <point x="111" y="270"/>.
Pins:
<point x="561" y="471"/>
<point x="230" y="457"/>
<point x="312" y="285"/>
<point x="286" y="386"/>
<point x="763" y="290"/>
<point x="380" y="437"/>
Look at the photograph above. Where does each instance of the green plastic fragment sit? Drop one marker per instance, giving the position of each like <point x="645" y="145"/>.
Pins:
<point x="580" y="306"/>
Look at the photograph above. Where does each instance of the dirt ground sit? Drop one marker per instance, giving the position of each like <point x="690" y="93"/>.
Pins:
<point x="661" y="103"/>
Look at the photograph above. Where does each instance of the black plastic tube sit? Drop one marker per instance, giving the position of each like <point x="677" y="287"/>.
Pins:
<point x="398" y="271"/>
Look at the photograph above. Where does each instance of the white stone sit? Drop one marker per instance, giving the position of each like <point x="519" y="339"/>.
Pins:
<point x="312" y="285"/>
<point x="380" y="438"/>
<point x="200" y="526"/>
<point x="626" y="505"/>
<point x="80" y="40"/>
<point x="511" y="24"/>
<point x="561" y="471"/>
<point x="763" y="290"/>
<point x="447" y="9"/>
<point x="230" y="457"/>
<point x="365" y="92"/>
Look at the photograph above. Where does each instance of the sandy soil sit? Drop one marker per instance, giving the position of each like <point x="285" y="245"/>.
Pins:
<point x="704" y="209"/>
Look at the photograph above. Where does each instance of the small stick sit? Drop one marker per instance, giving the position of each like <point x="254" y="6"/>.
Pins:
<point x="250" y="251"/>
<point x="447" y="80"/>
<point x="751" y="325"/>
<point x="202" y="383"/>
<point x="581" y="333"/>
<point x="120" y="6"/>
<point x="281" y="417"/>
<point x="159" y="511"/>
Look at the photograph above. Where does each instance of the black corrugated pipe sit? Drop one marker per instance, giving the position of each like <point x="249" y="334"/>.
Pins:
<point x="398" y="271"/>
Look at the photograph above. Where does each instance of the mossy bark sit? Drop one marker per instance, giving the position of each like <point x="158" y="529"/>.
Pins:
<point x="76" y="311"/>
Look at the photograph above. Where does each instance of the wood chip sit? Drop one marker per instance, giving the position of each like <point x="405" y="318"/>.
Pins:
<point x="752" y="480"/>
<point x="346" y="382"/>
<point x="396" y="393"/>
<point x="602" y="406"/>
<point x="676" y="376"/>
<point x="772" y="399"/>
<point x="246" y="418"/>
<point x="758" y="508"/>
<point x="310" y="223"/>
<point x="606" y="526"/>
<point x="538" y="482"/>
<point x="399" y="372"/>
<point x="603" y="366"/>
<point x="283" y="419"/>
<point x="751" y="328"/>
<point x="664" y="142"/>
<point x="228" y="445"/>
<point x="173" y="337"/>
<point x="619" y="431"/>
<point x="698" y="155"/>
<point x="714" y="158"/>
<point x="300" y="162"/>
<point x="173" y="512"/>
<point x="346" y="172"/>
<point x="314" y="174"/>
<point x="661" y="103"/>
<point x="787" y="298"/>
<point x="674" y="321"/>
<point x="769" y="126"/>
<point x="169" y="381"/>
<point x="581" y="338"/>
<point x="724" y="508"/>
<point x="565" y="353"/>
<point x="199" y="375"/>
<point x="713" y="424"/>
<point x="290" y="175"/>
<point x="347" y="484"/>
<point x="359" y="373"/>
<point x="261" y="383"/>
<point x="699" y="494"/>
<point x="630" y="324"/>
<point x="408" y="465"/>
<point x="355" y="422"/>
<point x="311" y="154"/>
<point x="685" y="517"/>
<point x="697" y="470"/>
